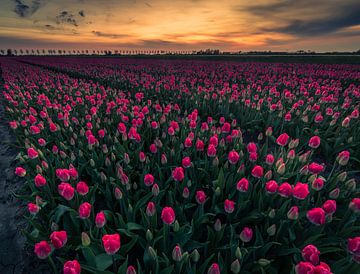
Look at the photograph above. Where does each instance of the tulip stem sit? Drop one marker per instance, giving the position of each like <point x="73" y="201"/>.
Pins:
<point x="51" y="261"/>
<point x="166" y="233"/>
<point x="114" y="263"/>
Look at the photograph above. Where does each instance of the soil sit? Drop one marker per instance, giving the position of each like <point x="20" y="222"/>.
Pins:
<point x="15" y="256"/>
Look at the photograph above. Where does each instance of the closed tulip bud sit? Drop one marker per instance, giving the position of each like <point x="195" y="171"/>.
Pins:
<point x="214" y="269"/>
<point x="107" y="162"/>
<point x="177" y="254"/>
<point x="38" y="169"/>
<point x="351" y="185"/>
<point x="152" y="253"/>
<point x="238" y="253"/>
<point x="281" y="169"/>
<point x="271" y="230"/>
<point x="342" y="176"/>
<point x="92" y="163"/>
<point x="246" y="234"/>
<point x="291" y="154"/>
<point x="163" y="159"/>
<point x="334" y="194"/>
<point x="293" y="143"/>
<point x="235" y="266"/>
<point x="272" y="213"/>
<point x="113" y="157"/>
<point x="149" y="235"/>
<point x="126" y="158"/>
<point x="81" y="154"/>
<point x="263" y="262"/>
<point x="293" y="213"/>
<point x="150" y="209"/>
<point x="85" y="239"/>
<point x="118" y="194"/>
<point x="218" y="191"/>
<point x="135" y="186"/>
<point x="268" y="175"/>
<point x="130" y="270"/>
<point x="217" y="225"/>
<point x="155" y="190"/>
<point x="104" y="149"/>
<point x="186" y="193"/>
<point x="54" y="226"/>
<point x="269" y="131"/>
<point x="176" y="226"/>
<point x="130" y="208"/>
<point x="195" y="256"/>
<point x="260" y="136"/>
<point x="215" y="161"/>
<point x="103" y="177"/>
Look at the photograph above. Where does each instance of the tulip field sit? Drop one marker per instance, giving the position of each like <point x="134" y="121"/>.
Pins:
<point x="187" y="166"/>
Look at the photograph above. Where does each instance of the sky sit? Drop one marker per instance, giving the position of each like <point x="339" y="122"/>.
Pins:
<point x="228" y="25"/>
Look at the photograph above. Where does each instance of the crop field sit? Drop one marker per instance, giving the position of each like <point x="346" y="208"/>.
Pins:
<point x="143" y="165"/>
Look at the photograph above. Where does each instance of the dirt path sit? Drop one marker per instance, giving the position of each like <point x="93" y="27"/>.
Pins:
<point x="15" y="257"/>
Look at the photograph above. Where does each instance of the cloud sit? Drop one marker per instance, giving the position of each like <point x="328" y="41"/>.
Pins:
<point x="108" y="35"/>
<point x="66" y="17"/>
<point x="23" y="9"/>
<point x="307" y="18"/>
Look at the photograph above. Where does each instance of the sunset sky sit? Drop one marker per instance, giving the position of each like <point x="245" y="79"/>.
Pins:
<point x="322" y="25"/>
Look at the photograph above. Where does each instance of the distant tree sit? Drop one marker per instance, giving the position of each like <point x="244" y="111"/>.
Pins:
<point x="9" y="52"/>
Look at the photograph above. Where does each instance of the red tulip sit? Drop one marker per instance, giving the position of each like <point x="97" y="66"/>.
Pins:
<point x="58" y="239"/>
<point x="355" y="205"/>
<point x="66" y="191"/>
<point x="39" y="180"/>
<point x="200" y="197"/>
<point x="314" y="142"/>
<point x="311" y="254"/>
<point x="301" y="191"/>
<point x="72" y="267"/>
<point x="242" y="185"/>
<point x="233" y="157"/>
<point x="285" y="190"/>
<point x="82" y="188"/>
<point x="84" y="210"/>
<point x="282" y="140"/>
<point x="329" y="206"/>
<point x="214" y="269"/>
<point x="33" y="208"/>
<point x="316" y="216"/>
<point x="149" y="179"/>
<point x="229" y="206"/>
<point x="304" y="268"/>
<point x="32" y="153"/>
<point x="21" y="172"/>
<point x="100" y="219"/>
<point x="257" y="172"/>
<point x="246" y="234"/>
<point x="168" y="215"/>
<point x="178" y="174"/>
<point x="111" y="243"/>
<point x="42" y="249"/>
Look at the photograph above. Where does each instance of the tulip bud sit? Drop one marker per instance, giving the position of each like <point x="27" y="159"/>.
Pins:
<point x="281" y="169"/>
<point x="126" y="158"/>
<point x="85" y="239"/>
<point x="235" y="266"/>
<point x="195" y="256"/>
<point x="238" y="253"/>
<point x="272" y="213"/>
<point x="92" y="163"/>
<point x="118" y="193"/>
<point x="342" y="176"/>
<point x="176" y="226"/>
<point x="103" y="177"/>
<point x="260" y="136"/>
<point x="218" y="191"/>
<point x="186" y="193"/>
<point x="268" y="175"/>
<point x="293" y="213"/>
<point x="107" y="162"/>
<point x="155" y="190"/>
<point x="217" y="225"/>
<point x="271" y="230"/>
<point x="54" y="226"/>
<point x="263" y="262"/>
<point x="177" y="254"/>
<point x="351" y="185"/>
<point x="334" y="194"/>
<point x="130" y="270"/>
<point x="149" y="235"/>
<point x="269" y="131"/>
<point x="152" y="253"/>
<point x="163" y="159"/>
<point x="215" y="162"/>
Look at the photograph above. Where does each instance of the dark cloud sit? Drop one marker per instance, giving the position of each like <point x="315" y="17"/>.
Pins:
<point x="82" y="13"/>
<point x="108" y="35"/>
<point x="308" y="18"/>
<point x="66" y="17"/>
<point x="24" y="9"/>
<point x="323" y="25"/>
